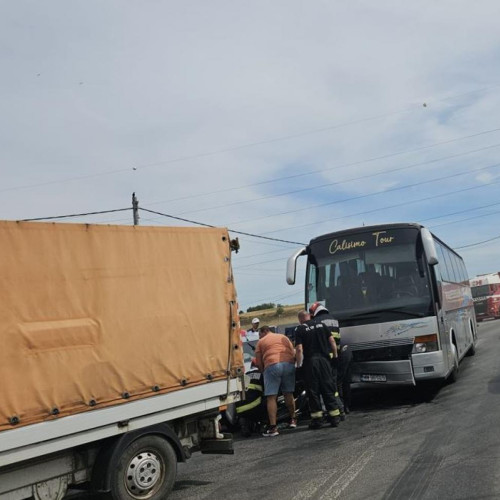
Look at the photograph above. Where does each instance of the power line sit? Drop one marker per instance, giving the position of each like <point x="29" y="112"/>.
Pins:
<point x="243" y="146"/>
<point x="303" y="134"/>
<point x="466" y="219"/>
<point x="478" y="243"/>
<point x="362" y="177"/>
<point x="263" y="253"/>
<point x="76" y="215"/>
<point x="345" y="165"/>
<point x="258" y="263"/>
<point x="230" y="230"/>
<point x="461" y="211"/>
<point x="397" y="205"/>
<point x="430" y="227"/>
<point x="275" y="299"/>
<point x="399" y="188"/>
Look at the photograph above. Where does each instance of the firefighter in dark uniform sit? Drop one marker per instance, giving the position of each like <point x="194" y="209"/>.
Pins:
<point x="315" y="346"/>
<point x="252" y="410"/>
<point x="342" y="365"/>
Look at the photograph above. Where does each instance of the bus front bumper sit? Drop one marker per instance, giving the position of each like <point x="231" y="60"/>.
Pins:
<point x="383" y="372"/>
<point x="429" y="365"/>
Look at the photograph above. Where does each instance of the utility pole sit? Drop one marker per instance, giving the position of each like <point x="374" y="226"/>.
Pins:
<point x="135" y="209"/>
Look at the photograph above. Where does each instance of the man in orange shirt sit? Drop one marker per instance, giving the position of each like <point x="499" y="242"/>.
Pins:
<point x="275" y="356"/>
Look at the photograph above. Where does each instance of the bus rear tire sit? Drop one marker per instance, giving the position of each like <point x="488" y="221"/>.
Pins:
<point x="453" y="376"/>
<point x="472" y="350"/>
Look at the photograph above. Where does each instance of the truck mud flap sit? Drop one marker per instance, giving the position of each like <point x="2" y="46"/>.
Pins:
<point x="223" y="446"/>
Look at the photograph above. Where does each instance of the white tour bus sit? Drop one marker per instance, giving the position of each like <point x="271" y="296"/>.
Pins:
<point x="402" y="298"/>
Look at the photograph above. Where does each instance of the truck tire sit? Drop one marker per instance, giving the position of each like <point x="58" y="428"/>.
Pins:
<point x="146" y="470"/>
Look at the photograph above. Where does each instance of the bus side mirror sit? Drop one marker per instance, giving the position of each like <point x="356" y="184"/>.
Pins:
<point x="429" y="247"/>
<point x="291" y="266"/>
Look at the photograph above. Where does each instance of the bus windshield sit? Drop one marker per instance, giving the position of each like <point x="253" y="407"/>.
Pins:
<point x="370" y="278"/>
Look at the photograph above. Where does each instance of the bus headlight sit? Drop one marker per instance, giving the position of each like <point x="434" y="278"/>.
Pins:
<point x="425" y="343"/>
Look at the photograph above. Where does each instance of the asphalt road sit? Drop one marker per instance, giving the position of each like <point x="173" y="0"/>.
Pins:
<point x="404" y="443"/>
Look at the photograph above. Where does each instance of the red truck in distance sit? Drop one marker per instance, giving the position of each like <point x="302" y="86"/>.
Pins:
<point x="486" y="295"/>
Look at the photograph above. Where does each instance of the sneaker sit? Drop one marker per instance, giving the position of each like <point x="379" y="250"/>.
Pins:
<point x="293" y="423"/>
<point x="315" y="424"/>
<point x="271" y="431"/>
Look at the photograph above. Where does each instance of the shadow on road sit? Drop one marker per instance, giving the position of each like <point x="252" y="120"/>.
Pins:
<point x="183" y="485"/>
<point x="386" y="397"/>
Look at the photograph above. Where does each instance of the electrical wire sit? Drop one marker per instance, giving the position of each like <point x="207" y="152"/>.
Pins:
<point x="209" y="225"/>
<point x="313" y="172"/>
<point x="405" y="203"/>
<point x="337" y="183"/>
<point x="353" y="198"/>
<point x="76" y="215"/>
<point x="477" y="243"/>
<point x="242" y="146"/>
<point x="466" y="219"/>
<point x="460" y="212"/>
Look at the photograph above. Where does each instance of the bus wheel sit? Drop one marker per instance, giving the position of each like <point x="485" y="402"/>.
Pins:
<point x="146" y="470"/>
<point x="453" y="376"/>
<point x="472" y="349"/>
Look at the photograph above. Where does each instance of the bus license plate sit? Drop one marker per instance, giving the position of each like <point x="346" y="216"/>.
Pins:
<point x="373" y="378"/>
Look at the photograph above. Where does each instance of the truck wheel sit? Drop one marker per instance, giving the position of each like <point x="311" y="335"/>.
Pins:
<point x="146" y="470"/>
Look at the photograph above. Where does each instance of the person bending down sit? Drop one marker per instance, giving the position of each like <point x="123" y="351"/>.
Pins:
<point x="275" y="356"/>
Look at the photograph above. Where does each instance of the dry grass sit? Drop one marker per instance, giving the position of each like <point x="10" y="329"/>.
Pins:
<point x="270" y="317"/>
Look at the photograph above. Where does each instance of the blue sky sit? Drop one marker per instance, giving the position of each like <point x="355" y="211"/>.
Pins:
<point x="362" y="112"/>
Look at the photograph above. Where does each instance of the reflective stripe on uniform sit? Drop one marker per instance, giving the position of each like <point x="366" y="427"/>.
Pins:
<point x="249" y="406"/>
<point x="334" y="413"/>
<point x="317" y="414"/>
<point x="336" y="394"/>
<point x="255" y="387"/>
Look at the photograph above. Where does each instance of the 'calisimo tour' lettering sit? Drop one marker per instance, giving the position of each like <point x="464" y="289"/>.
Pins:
<point x="381" y="240"/>
<point x="335" y="246"/>
<point x="342" y="246"/>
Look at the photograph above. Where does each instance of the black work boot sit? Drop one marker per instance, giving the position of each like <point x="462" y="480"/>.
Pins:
<point x="315" y="424"/>
<point x="335" y="421"/>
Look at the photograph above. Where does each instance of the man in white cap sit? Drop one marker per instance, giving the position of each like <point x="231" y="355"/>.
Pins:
<point x="253" y="333"/>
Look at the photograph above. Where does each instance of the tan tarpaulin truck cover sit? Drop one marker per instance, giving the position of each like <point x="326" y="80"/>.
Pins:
<point x="91" y="314"/>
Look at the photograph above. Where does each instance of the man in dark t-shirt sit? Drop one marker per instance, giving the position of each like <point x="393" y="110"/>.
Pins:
<point x="315" y="347"/>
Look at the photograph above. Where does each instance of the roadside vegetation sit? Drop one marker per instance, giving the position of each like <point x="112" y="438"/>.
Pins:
<point x="277" y="315"/>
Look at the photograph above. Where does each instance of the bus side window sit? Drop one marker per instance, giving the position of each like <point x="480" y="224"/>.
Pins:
<point x="441" y="267"/>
